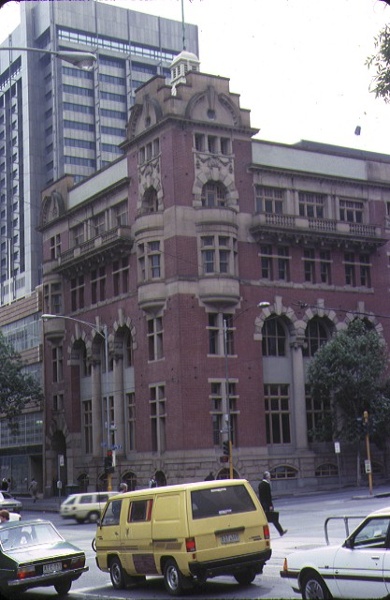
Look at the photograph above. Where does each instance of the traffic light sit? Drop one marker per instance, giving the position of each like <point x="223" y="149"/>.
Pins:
<point x="108" y="466"/>
<point x="226" y="448"/>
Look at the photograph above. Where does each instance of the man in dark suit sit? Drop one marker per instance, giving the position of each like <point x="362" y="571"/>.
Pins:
<point x="265" y="497"/>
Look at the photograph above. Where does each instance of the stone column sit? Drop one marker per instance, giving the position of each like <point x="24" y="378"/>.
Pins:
<point x="119" y="411"/>
<point x="298" y="395"/>
<point x="97" y="423"/>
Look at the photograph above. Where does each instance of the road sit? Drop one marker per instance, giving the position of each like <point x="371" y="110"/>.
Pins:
<point x="303" y="517"/>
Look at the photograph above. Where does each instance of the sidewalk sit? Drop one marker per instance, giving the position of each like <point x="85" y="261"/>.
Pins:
<point x="52" y="504"/>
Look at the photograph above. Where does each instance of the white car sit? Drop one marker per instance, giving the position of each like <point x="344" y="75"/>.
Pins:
<point x="359" y="568"/>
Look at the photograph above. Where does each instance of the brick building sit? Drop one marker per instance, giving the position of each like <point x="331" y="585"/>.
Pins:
<point x="210" y="267"/>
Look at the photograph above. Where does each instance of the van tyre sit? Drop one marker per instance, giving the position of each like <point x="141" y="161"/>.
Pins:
<point x="174" y="580"/>
<point x="245" y="577"/>
<point x="116" y="574"/>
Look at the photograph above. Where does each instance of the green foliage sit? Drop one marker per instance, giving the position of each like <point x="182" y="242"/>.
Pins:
<point x="380" y="61"/>
<point x="349" y="372"/>
<point x="17" y="389"/>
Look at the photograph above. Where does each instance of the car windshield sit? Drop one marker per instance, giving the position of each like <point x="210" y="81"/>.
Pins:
<point x="29" y="534"/>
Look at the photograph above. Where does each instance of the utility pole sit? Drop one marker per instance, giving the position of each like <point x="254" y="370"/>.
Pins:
<point x="366" y="428"/>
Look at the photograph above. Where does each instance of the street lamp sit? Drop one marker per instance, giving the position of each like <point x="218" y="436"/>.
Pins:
<point x="228" y="444"/>
<point x="80" y="59"/>
<point x="103" y="332"/>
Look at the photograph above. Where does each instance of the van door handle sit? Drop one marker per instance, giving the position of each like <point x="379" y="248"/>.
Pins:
<point x="117" y="533"/>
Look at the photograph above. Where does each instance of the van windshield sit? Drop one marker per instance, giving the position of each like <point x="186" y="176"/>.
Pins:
<point x="217" y="501"/>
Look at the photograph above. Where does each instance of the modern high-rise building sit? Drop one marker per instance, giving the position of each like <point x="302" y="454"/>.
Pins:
<point x="57" y="119"/>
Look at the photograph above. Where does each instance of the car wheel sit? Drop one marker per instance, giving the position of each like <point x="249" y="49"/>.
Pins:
<point x="93" y="517"/>
<point x="314" y="588"/>
<point x="245" y="577"/>
<point x="174" y="580"/>
<point x="116" y="574"/>
<point x="63" y="587"/>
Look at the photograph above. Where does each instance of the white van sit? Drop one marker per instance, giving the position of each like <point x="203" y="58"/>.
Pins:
<point x="85" y="507"/>
<point x="184" y="532"/>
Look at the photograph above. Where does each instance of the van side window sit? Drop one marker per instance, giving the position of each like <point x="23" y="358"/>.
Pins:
<point x="140" y="510"/>
<point x="112" y="513"/>
<point x="87" y="499"/>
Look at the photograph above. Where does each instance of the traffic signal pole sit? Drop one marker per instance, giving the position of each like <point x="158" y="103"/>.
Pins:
<point x="368" y="450"/>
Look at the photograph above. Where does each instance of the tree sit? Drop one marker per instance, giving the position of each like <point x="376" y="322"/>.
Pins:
<point x="17" y="389"/>
<point x="349" y="375"/>
<point x="381" y="62"/>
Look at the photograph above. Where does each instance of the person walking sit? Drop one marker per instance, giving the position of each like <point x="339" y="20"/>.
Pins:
<point x="265" y="497"/>
<point x="33" y="489"/>
<point x="123" y="488"/>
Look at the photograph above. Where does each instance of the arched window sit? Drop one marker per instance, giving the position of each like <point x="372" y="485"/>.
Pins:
<point x="284" y="472"/>
<point x="327" y="470"/>
<point x="317" y="334"/>
<point x="150" y="200"/>
<point x="274" y="338"/>
<point x="213" y="194"/>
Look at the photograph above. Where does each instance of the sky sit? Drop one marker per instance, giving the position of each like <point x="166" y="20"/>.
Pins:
<point x="298" y="65"/>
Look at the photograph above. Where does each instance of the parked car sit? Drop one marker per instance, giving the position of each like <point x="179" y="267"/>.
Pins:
<point x="85" y="507"/>
<point x="34" y="554"/>
<point x="358" y="568"/>
<point x="10" y="503"/>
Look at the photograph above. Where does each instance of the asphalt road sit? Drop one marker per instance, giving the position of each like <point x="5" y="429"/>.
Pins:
<point x="303" y="517"/>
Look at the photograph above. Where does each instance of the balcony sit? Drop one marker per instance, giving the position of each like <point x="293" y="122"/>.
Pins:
<point x="103" y="248"/>
<point x="152" y="296"/>
<point x="306" y="230"/>
<point x="54" y="329"/>
<point x="219" y="290"/>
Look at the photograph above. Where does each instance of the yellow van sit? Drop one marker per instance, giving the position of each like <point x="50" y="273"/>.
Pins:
<point x="187" y="533"/>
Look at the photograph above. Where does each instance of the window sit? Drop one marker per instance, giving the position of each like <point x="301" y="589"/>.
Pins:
<point x="155" y="338"/>
<point x="120" y="276"/>
<point x="365" y="270"/>
<point x="158" y="417"/>
<point x="57" y="364"/>
<point x="325" y="267"/>
<point x="318" y="418"/>
<point x="351" y="211"/>
<point x="277" y="413"/>
<point x="316" y="336"/>
<point x="98" y="224"/>
<point x="349" y="266"/>
<point x="216" y="330"/>
<point x="98" y="285"/>
<point x="274" y="338"/>
<point x="77" y="234"/>
<point x="311" y="205"/>
<point x="269" y="200"/>
<point x="221" y="398"/>
<point x="327" y="470"/>
<point x="218" y="254"/>
<point x="58" y="402"/>
<point x="140" y="511"/>
<point x="213" y="195"/>
<point x="55" y="247"/>
<point x="309" y="265"/>
<point x="149" y="260"/>
<point x="77" y="287"/>
<point x="111" y="420"/>
<point x="120" y="214"/>
<point x="87" y="426"/>
<point x="130" y="399"/>
<point x="53" y="298"/>
<point x="150" y="201"/>
<point x="231" y="500"/>
<point x="266" y="261"/>
<point x="283" y="263"/>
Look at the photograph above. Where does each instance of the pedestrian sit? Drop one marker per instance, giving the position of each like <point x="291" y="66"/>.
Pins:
<point x="210" y="477"/>
<point x="152" y="482"/>
<point x="4" y="516"/>
<point x="265" y="497"/>
<point x="33" y="489"/>
<point x="4" y="485"/>
<point x="123" y="487"/>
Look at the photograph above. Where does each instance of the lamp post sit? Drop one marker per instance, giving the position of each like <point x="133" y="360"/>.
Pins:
<point x="81" y="60"/>
<point x="103" y="332"/>
<point x="228" y="430"/>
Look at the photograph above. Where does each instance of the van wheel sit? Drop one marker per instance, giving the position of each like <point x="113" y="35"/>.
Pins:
<point x="116" y="574"/>
<point x="245" y="577"/>
<point x="174" y="580"/>
<point x="93" y="517"/>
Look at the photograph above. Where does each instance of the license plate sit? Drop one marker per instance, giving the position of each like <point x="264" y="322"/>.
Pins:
<point x="52" y="567"/>
<point x="230" y="538"/>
